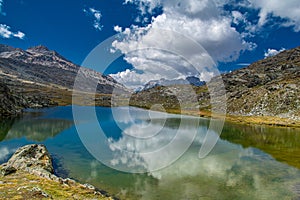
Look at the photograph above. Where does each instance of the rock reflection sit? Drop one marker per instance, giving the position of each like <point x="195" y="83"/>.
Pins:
<point x="5" y="126"/>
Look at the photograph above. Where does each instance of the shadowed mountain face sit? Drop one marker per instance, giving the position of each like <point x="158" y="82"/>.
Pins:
<point x="9" y="102"/>
<point x="270" y="87"/>
<point x="13" y="99"/>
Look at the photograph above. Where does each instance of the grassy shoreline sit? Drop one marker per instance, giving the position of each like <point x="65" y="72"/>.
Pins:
<point x="24" y="185"/>
<point x="237" y="119"/>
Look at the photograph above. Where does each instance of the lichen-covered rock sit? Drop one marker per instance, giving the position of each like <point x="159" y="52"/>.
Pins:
<point x="32" y="158"/>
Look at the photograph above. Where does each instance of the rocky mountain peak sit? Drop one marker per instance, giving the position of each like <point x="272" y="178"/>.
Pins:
<point x="39" y="48"/>
<point x="41" y="65"/>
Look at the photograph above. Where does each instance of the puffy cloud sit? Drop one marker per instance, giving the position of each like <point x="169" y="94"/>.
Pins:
<point x="238" y="17"/>
<point x="145" y="6"/>
<point x="222" y="27"/>
<point x="118" y="29"/>
<point x="273" y="52"/>
<point x="97" y="17"/>
<point x="132" y="79"/>
<point x="5" y="32"/>
<point x="288" y="10"/>
<point x="200" y="21"/>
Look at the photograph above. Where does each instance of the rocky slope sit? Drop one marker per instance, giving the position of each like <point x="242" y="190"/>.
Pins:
<point x="270" y="87"/>
<point x="41" y="65"/>
<point x="267" y="88"/>
<point x="29" y="174"/>
<point x="39" y="77"/>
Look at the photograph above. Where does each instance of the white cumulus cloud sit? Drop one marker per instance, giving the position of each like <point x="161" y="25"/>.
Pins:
<point x="97" y="17"/>
<point x="199" y="20"/>
<point x="223" y="27"/>
<point x="273" y="52"/>
<point x="288" y="10"/>
<point x="132" y="79"/>
<point x="5" y="32"/>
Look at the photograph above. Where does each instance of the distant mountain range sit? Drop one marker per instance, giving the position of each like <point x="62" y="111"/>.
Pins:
<point x="191" y="80"/>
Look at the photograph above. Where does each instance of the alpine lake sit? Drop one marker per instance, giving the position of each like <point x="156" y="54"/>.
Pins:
<point x="247" y="162"/>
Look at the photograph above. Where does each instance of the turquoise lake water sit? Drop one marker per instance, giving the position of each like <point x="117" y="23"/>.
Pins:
<point x="246" y="162"/>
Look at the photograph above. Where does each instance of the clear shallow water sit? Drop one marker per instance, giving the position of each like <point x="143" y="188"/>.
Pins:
<point x="243" y="165"/>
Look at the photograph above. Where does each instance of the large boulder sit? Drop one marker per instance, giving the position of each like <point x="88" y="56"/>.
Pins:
<point x="33" y="158"/>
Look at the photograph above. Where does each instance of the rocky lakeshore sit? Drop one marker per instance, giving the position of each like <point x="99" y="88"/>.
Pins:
<point x="29" y="174"/>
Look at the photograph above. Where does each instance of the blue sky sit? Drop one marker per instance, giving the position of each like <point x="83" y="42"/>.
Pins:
<point x="233" y="32"/>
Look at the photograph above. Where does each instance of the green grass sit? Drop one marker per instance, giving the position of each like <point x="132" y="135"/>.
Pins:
<point x="20" y="185"/>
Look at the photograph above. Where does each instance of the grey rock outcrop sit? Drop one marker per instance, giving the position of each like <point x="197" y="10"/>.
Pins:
<point x="33" y="158"/>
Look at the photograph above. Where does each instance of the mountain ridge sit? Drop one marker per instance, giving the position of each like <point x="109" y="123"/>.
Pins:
<point x="40" y="56"/>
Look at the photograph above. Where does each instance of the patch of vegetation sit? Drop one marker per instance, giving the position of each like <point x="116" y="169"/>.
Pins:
<point x="22" y="185"/>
